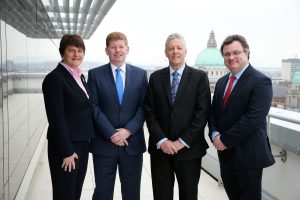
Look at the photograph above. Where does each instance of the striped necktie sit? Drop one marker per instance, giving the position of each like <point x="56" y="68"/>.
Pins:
<point x="174" y="86"/>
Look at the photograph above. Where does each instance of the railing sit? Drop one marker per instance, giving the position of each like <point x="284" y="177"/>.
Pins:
<point x="284" y="115"/>
<point x="288" y="138"/>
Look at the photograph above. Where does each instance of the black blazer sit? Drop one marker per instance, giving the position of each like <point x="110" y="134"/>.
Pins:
<point x="68" y="109"/>
<point x="185" y="119"/>
<point x="242" y="122"/>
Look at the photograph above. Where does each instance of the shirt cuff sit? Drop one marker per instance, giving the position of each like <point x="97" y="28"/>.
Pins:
<point x="184" y="143"/>
<point x="214" y="134"/>
<point x="160" y="142"/>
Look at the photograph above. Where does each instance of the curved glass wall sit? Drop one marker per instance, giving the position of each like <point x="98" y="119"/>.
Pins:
<point x="24" y="63"/>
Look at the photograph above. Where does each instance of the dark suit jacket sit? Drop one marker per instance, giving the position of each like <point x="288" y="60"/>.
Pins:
<point x="185" y="119"/>
<point x="68" y="109"/>
<point x="242" y="122"/>
<point x="109" y="115"/>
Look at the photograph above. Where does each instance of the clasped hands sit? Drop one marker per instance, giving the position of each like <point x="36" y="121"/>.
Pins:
<point x="218" y="144"/>
<point x="171" y="147"/>
<point x="120" y="137"/>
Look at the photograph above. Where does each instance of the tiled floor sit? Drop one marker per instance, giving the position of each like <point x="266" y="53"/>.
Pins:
<point x="40" y="186"/>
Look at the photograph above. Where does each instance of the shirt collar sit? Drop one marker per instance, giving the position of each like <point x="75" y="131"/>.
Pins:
<point x="77" y="71"/>
<point x="239" y="74"/>
<point x="180" y="70"/>
<point x="113" y="67"/>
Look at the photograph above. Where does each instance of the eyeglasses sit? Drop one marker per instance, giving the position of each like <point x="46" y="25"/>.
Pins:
<point x="234" y="54"/>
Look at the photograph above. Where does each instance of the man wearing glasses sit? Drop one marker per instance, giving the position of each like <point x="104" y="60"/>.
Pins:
<point x="237" y="125"/>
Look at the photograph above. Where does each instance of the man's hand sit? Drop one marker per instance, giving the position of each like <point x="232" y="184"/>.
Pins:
<point x="178" y="145"/>
<point x="218" y="144"/>
<point x="120" y="137"/>
<point x="168" y="147"/>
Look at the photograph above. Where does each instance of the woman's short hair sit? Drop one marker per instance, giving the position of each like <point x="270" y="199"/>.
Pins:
<point x="70" y="40"/>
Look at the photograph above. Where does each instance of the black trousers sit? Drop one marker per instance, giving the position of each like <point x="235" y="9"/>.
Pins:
<point x="65" y="184"/>
<point x="242" y="184"/>
<point x="163" y="173"/>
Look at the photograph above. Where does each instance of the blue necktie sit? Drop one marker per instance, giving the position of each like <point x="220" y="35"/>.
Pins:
<point x="119" y="84"/>
<point x="174" y="86"/>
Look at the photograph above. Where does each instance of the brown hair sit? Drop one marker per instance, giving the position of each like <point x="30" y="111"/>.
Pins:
<point x="231" y="38"/>
<point x="116" y="36"/>
<point x="70" y="40"/>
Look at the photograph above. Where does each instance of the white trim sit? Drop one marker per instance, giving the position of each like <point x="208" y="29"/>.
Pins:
<point x="31" y="168"/>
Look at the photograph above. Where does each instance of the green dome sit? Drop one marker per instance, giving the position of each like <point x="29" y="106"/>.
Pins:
<point x="210" y="57"/>
<point x="296" y="78"/>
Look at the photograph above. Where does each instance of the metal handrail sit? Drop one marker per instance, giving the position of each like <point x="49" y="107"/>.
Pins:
<point x="276" y="114"/>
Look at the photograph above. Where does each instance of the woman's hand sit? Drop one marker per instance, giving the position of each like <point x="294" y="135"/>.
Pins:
<point x="69" y="162"/>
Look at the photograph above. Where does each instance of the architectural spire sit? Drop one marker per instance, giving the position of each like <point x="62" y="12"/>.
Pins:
<point x="212" y="41"/>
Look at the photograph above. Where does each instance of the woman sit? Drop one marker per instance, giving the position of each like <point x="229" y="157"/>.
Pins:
<point x="69" y="113"/>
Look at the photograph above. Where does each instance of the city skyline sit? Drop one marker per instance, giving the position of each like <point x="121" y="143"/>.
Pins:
<point x="270" y="27"/>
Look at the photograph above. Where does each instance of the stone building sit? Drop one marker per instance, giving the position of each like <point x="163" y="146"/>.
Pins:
<point x="211" y="61"/>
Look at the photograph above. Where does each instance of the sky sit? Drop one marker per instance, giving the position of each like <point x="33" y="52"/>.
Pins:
<point x="271" y="27"/>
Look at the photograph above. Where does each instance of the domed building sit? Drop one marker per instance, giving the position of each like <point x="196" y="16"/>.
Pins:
<point x="211" y="61"/>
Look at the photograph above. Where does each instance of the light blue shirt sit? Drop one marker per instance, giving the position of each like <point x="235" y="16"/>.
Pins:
<point x="180" y="72"/>
<point x="237" y="77"/>
<point x="214" y="134"/>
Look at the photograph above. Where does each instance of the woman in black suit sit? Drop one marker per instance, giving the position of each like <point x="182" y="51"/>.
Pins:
<point x="69" y="114"/>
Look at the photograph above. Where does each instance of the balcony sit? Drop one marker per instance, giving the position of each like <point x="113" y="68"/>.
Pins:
<point x="280" y="181"/>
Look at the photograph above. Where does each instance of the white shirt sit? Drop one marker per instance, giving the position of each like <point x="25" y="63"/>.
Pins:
<point x="122" y="72"/>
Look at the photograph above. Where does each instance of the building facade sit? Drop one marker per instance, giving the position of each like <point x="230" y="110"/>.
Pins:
<point x="289" y="67"/>
<point x="293" y="96"/>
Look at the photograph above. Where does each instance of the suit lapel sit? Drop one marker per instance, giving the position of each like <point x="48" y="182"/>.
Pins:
<point x="128" y="80"/>
<point x="167" y="84"/>
<point x="239" y="86"/>
<point x="183" y="82"/>
<point x="221" y="91"/>
<point x="111" y="82"/>
<point x="86" y="86"/>
<point x="72" y="81"/>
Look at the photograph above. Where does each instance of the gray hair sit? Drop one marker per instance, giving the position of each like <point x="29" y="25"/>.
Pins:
<point x="174" y="36"/>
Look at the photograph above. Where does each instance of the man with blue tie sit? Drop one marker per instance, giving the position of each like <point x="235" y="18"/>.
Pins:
<point x="118" y="90"/>
<point x="237" y="125"/>
<point x="177" y="108"/>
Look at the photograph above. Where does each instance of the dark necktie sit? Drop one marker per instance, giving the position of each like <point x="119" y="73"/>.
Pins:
<point x="174" y="86"/>
<point x="229" y="88"/>
<point x="119" y="85"/>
